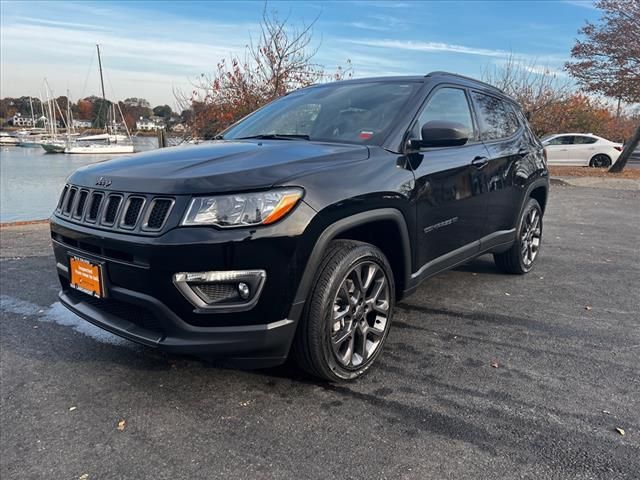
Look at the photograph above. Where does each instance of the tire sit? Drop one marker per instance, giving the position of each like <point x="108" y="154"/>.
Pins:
<point x="338" y="346"/>
<point x="600" y="161"/>
<point x="521" y="257"/>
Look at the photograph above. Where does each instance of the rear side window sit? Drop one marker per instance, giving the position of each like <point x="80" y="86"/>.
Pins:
<point x="446" y="104"/>
<point x="578" y="139"/>
<point x="497" y="117"/>
<point x="565" y="140"/>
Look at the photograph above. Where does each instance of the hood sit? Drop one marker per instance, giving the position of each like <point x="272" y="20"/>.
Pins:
<point x="220" y="166"/>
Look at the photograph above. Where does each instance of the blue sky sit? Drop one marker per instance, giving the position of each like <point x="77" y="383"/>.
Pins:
<point x="151" y="47"/>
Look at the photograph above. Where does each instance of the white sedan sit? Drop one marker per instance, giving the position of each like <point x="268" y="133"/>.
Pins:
<point x="581" y="149"/>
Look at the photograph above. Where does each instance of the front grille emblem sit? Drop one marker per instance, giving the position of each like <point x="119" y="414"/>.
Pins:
<point x="103" y="182"/>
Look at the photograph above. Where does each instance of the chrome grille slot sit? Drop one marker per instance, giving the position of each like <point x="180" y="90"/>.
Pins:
<point x="82" y="201"/>
<point x="144" y="214"/>
<point x="158" y="213"/>
<point x="70" y="198"/>
<point x="94" y="207"/>
<point x="62" y="196"/>
<point x="111" y="209"/>
<point x="132" y="211"/>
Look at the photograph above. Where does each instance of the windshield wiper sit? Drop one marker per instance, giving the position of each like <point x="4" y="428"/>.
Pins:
<point x="275" y="136"/>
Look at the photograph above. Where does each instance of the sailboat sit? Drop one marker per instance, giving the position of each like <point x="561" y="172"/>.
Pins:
<point x="58" y="143"/>
<point x="7" y="139"/>
<point x="34" y="136"/>
<point x="110" y="142"/>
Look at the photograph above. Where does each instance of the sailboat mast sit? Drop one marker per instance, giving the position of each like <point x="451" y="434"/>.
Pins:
<point x="100" y="68"/>
<point x="104" y="98"/>
<point x="33" y="119"/>
<point x="69" y="121"/>
<point x="42" y="105"/>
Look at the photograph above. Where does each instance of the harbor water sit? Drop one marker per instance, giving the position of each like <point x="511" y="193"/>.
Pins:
<point x="31" y="179"/>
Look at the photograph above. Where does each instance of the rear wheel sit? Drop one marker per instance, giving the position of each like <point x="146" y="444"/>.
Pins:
<point x="521" y="257"/>
<point x="600" y="161"/>
<point x="348" y="314"/>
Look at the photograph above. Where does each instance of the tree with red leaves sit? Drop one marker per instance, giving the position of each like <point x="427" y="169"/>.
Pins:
<point x="279" y="62"/>
<point x="607" y="60"/>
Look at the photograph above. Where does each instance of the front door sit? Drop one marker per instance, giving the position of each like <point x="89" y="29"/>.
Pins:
<point x="450" y="186"/>
<point x="558" y="150"/>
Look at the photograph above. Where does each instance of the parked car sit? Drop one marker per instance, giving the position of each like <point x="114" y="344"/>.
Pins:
<point x="303" y="225"/>
<point x="581" y="149"/>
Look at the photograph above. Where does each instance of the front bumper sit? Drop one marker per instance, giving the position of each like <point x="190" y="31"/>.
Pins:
<point x="142" y="303"/>
<point x="147" y="321"/>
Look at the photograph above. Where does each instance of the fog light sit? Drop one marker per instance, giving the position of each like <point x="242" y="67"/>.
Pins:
<point x="243" y="290"/>
<point x="233" y="290"/>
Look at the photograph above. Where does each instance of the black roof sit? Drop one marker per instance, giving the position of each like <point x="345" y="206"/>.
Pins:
<point x="469" y="80"/>
<point x="454" y="77"/>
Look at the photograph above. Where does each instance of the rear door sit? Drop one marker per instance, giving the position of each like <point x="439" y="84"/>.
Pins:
<point x="451" y="205"/>
<point x="582" y="149"/>
<point x="503" y="135"/>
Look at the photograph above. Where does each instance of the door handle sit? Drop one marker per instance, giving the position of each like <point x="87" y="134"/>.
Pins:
<point x="480" y="162"/>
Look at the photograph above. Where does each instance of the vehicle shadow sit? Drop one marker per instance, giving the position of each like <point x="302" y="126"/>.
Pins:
<point x="483" y="264"/>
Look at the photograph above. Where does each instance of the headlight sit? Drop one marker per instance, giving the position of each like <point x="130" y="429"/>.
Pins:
<point x="243" y="209"/>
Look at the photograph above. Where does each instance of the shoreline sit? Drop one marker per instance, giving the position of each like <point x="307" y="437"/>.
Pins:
<point x="19" y="223"/>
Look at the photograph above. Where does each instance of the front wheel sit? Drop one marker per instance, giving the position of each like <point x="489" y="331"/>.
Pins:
<point x="348" y="314"/>
<point x="521" y="257"/>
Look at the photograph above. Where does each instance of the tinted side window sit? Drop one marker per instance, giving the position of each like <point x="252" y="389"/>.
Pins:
<point x="497" y="118"/>
<point x="446" y="104"/>
<point x="584" y="140"/>
<point x="565" y="140"/>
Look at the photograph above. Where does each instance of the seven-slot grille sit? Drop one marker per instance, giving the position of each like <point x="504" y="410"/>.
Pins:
<point x="114" y="210"/>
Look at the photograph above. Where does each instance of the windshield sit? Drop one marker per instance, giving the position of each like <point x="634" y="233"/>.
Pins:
<point x="351" y="113"/>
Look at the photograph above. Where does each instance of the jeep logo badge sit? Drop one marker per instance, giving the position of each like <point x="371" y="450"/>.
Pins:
<point x="103" y="182"/>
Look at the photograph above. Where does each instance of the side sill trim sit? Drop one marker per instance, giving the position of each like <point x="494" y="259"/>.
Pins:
<point x="443" y="262"/>
<point x="462" y="255"/>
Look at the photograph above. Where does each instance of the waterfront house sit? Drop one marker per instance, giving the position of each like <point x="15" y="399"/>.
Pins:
<point x="149" y="124"/>
<point x="77" y="123"/>
<point x="19" y="121"/>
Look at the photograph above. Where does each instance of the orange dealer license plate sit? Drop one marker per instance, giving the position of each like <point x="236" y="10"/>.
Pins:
<point x="86" y="276"/>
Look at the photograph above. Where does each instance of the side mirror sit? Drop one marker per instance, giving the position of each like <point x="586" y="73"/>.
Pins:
<point x="441" y="134"/>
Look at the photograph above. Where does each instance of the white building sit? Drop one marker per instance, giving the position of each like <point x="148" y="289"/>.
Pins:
<point x="19" y="121"/>
<point x="148" y="124"/>
<point x="81" y="123"/>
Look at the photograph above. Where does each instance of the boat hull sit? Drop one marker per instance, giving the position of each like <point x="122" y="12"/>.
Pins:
<point x="100" y="149"/>
<point x="53" y="147"/>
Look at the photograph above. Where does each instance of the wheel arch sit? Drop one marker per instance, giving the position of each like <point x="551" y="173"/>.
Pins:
<point x="601" y="154"/>
<point x="362" y="226"/>
<point x="540" y="193"/>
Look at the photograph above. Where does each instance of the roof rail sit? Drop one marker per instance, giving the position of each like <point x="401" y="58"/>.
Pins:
<point x="449" y="74"/>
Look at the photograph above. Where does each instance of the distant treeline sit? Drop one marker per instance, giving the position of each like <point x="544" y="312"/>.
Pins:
<point x="93" y="109"/>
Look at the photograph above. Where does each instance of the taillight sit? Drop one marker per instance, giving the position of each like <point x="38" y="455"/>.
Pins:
<point x="618" y="148"/>
<point x="544" y="152"/>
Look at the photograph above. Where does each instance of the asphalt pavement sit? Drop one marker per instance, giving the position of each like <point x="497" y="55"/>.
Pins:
<point x="484" y="376"/>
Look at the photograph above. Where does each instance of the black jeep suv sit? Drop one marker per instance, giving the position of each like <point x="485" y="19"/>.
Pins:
<point x="304" y="223"/>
